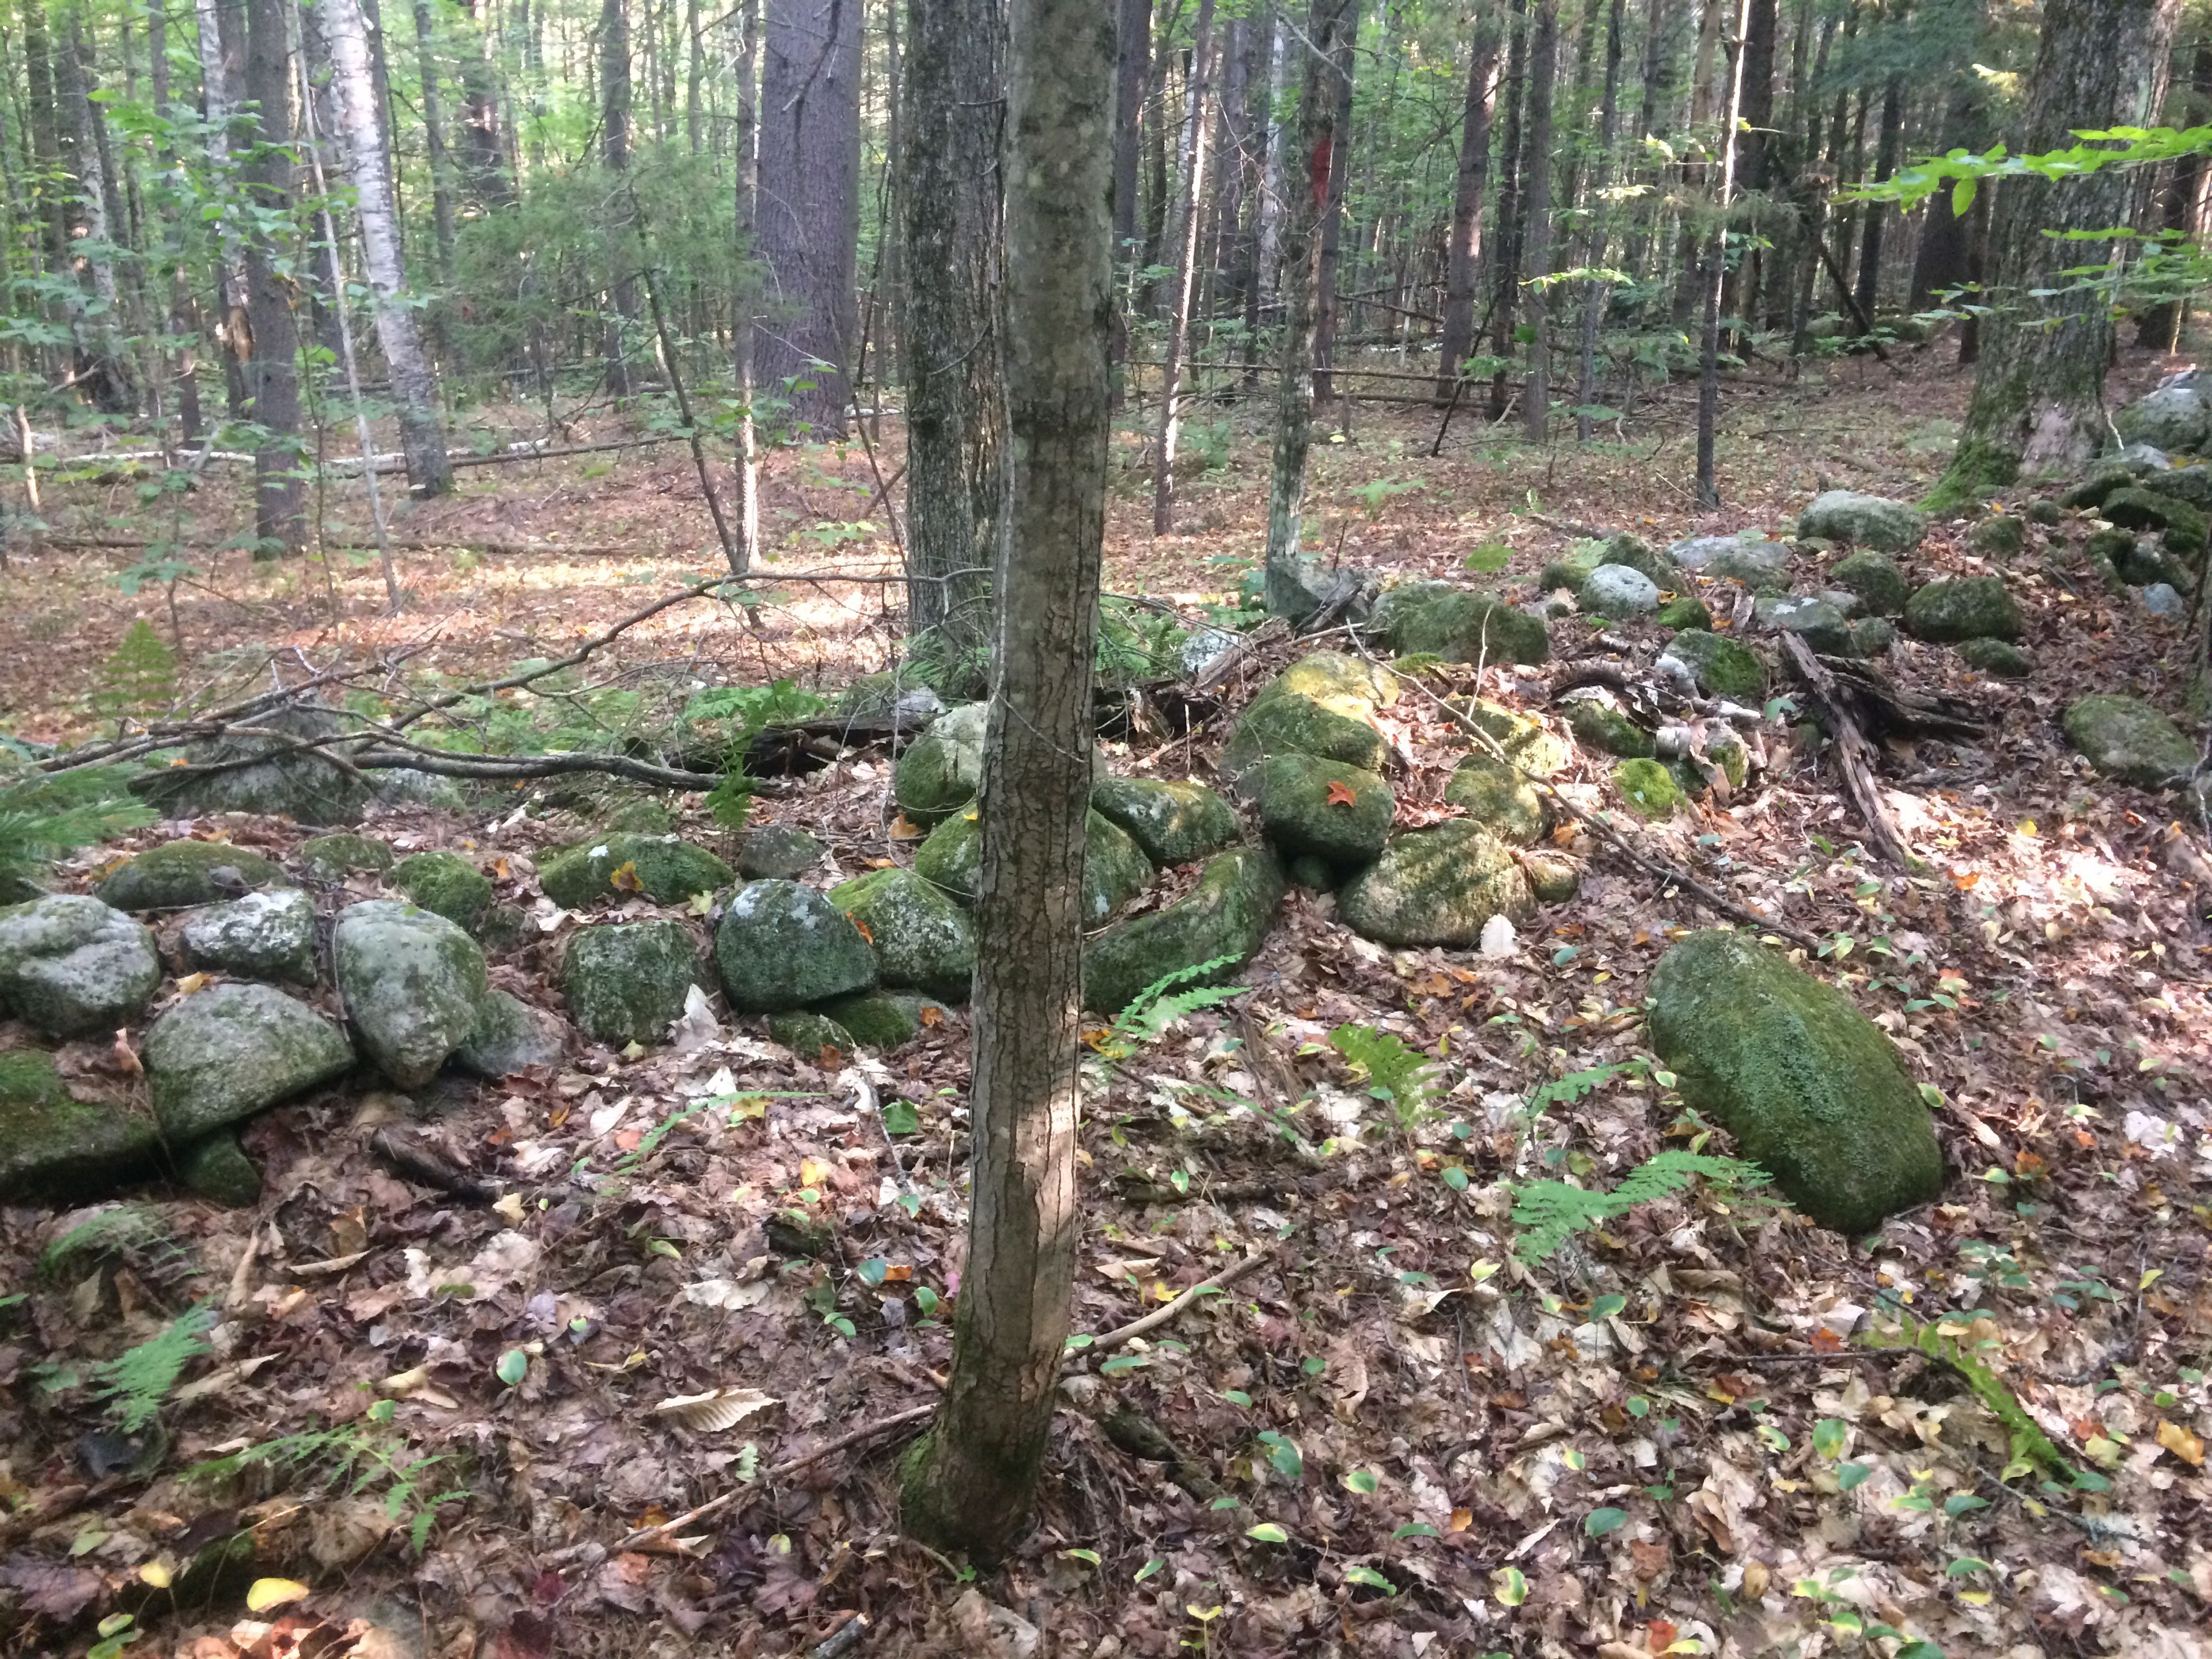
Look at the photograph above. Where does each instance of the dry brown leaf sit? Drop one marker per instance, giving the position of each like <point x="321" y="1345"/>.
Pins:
<point x="715" y="1410"/>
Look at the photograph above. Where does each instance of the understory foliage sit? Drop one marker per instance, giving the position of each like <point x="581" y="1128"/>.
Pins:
<point x="44" y="819"/>
<point x="1548" y="1213"/>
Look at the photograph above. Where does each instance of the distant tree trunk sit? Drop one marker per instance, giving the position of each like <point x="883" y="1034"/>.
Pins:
<point x="1156" y="164"/>
<point x="273" y="371"/>
<point x="1716" y="277"/>
<point x="614" y="153"/>
<point x="1505" y="256"/>
<point x="1543" y="68"/>
<point x="2157" y="328"/>
<point x="485" y="163"/>
<point x="1655" y="23"/>
<point x="1133" y="61"/>
<point x="1274" y="176"/>
<point x="1232" y="151"/>
<point x="1597" y="290"/>
<point x="415" y="388"/>
<point x="1332" y="222"/>
<point x="969" y="1485"/>
<point x="2039" y="385"/>
<point x="810" y="194"/>
<point x="1868" y="287"/>
<point x="184" y="315"/>
<point x="1463" y="253"/>
<point x="1814" y="181"/>
<point x="104" y="364"/>
<point x="694" y="73"/>
<point x="222" y="36"/>
<point x="747" y="19"/>
<point x="1188" y="222"/>
<point x="955" y="402"/>
<point x="434" y="133"/>
<point x="1325" y="47"/>
<point x="1754" y="142"/>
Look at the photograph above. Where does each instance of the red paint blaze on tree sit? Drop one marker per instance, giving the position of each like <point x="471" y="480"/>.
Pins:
<point x="1318" y="167"/>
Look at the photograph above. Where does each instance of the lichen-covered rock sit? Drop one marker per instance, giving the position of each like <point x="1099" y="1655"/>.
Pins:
<point x="2045" y="512"/>
<point x="445" y="885"/>
<point x="2091" y="491"/>
<point x="218" y="1170"/>
<point x="2136" y="559"/>
<point x="1875" y="577"/>
<point x="1553" y="877"/>
<point x="884" y="1019"/>
<point x="72" y="967"/>
<point x="1810" y="1088"/>
<point x="54" y="1148"/>
<point x="640" y="816"/>
<point x="1459" y="625"/>
<point x="777" y="852"/>
<point x="1748" y="558"/>
<point x="282" y="779"/>
<point x="187" y="872"/>
<point x="2149" y="509"/>
<point x="1497" y="799"/>
<point x="1863" y="520"/>
<point x="1570" y="571"/>
<point x="1647" y="788"/>
<point x="783" y="945"/>
<point x="1307" y="804"/>
<point x="265" y="935"/>
<point x="1821" y="625"/>
<point x="227" y="1052"/>
<point x="814" y="1037"/>
<point x="413" y="983"/>
<point x="626" y="982"/>
<point x="331" y="857"/>
<point x="1684" y="610"/>
<point x="1871" y="636"/>
<point x="1114" y="868"/>
<point x="1522" y="738"/>
<point x="2007" y="662"/>
<point x="1174" y="821"/>
<point x="1998" y="536"/>
<point x="1639" y="554"/>
<point x="1226" y="915"/>
<point x="511" y="1036"/>
<point x="2173" y="418"/>
<point x="922" y="939"/>
<point x="1324" y="704"/>
<point x="1964" y="608"/>
<point x="1618" y="591"/>
<point x="942" y="769"/>
<point x="664" y="869"/>
<point x="2164" y="599"/>
<point x="2191" y="483"/>
<point x="1436" y="886"/>
<point x="1721" y="666"/>
<point x="1598" y="724"/>
<point x="2126" y="738"/>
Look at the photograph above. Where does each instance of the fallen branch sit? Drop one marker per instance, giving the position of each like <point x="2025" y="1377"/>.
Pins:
<point x="1159" y="1316"/>
<point x="1854" y="756"/>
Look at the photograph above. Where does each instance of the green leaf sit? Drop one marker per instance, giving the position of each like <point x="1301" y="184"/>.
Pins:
<point x="900" y="1119"/>
<point x="1370" y="1578"/>
<point x="1965" y="1566"/>
<point x="1267" y="1533"/>
<point x="1850" y="1476"/>
<point x="1963" y="1502"/>
<point x="1236" y="1396"/>
<point x="1122" y="1363"/>
<point x="1417" y="1529"/>
<point x="1456" y="1178"/>
<point x="1287" y="1460"/>
<point x="1091" y="1556"/>
<point x="1606" y="1307"/>
<point x="1830" y="1434"/>
<point x="1598" y="1523"/>
<point x="874" y="1271"/>
<point x="1962" y="197"/>
<point x="514" y="1365"/>
<point x="1361" y="1481"/>
<point x="1148" y="1570"/>
<point x="925" y="1299"/>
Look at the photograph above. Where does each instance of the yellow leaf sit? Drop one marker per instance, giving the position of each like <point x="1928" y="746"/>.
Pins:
<point x="1462" y="1520"/>
<point x="904" y="828"/>
<point x="156" y="1574"/>
<point x="267" y="1593"/>
<point x="813" y="1172"/>
<point x="190" y="983"/>
<point x="624" y="879"/>
<point x="701" y="903"/>
<point x="1510" y="1586"/>
<point x="2183" y="1444"/>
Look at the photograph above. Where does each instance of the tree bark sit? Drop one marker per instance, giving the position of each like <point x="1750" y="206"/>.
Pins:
<point x="1867" y="287"/>
<point x="955" y="406"/>
<point x="1133" y="60"/>
<point x="615" y="113"/>
<point x="1505" y="258"/>
<point x="1332" y="222"/>
<point x="484" y="162"/>
<point x="2038" y="397"/>
<point x="1199" y="87"/>
<point x="2158" y="327"/>
<point x="747" y="19"/>
<point x="103" y="362"/>
<point x="1463" y="253"/>
<point x="1273" y="178"/>
<point x="1597" y="291"/>
<point x="1709" y="375"/>
<point x="221" y="40"/>
<point x="434" y="134"/>
<point x="969" y="1484"/>
<point x="184" y="315"/>
<point x="414" y="387"/>
<point x="809" y="193"/>
<point x="1543" y="67"/>
<point x="272" y="375"/>
<point x="1324" y="57"/>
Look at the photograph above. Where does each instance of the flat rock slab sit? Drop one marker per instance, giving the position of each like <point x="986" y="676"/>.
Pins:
<point x="225" y="1053"/>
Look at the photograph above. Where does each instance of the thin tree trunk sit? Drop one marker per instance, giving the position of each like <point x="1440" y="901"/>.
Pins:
<point x="1543" y="67"/>
<point x="184" y="317"/>
<point x="615" y="111"/>
<point x="273" y="371"/>
<point x="1868" y="286"/>
<point x="2157" y="328"/>
<point x="485" y="163"/>
<point x="1505" y="270"/>
<point x="1599" y="291"/>
<point x="1325" y="55"/>
<point x="747" y="144"/>
<point x="1709" y="376"/>
<point x="414" y="387"/>
<point x="434" y="133"/>
<point x="1133" y="60"/>
<point x="1463" y="253"/>
<point x="222" y="36"/>
<point x="694" y="73"/>
<point x="1274" y="174"/>
<point x="1332" y="222"/>
<point x="1188" y="222"/>
<point x="969" y="1484"/>
<point x="1232" y="152"/>
<point x="104" y="369"/>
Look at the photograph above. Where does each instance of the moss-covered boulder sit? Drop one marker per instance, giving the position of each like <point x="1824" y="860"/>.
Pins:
<point x="1872" y="635"/>
<point x="781" y="946"/>
<point x="2190" y="482"/>
<point x="1598" y="724"/>
<point x="1820" y="624"/>
<point x="1308" y="805"/>
<point x="445" y="885"/>
<point x="1173" y="821"/>
<point x="1647" y="788"/>
<point x="2144" y="506"/>
<point x="2102" y="481"/>
<point x="265" y="771"/>
<point x="1810" y="1088"/>
<point x="1497" y="799"/>
<point x="1225" y="915"/>
<point x="777" y="852"/>
<point x="922" y="939"/>
<point x="54" y="1148"/>
<point x="183" y="873"/>
<point x="218" y="1170"/>
<point x="1875" y="578"/>
<point x="1996" y="658"/>
<point x="1553" y="877"/>
<point x="264" y="935"/>
<point x="1861" y="521"/>
<point x="511" y="1036"/>
<point x="884" y="1019"/>
<point x="1721" y="666"/>
<point x="1685" y="611"/>
<point x="1639" y="554"/>
<point x="1618" y="591"/>
<point x="227" y="1052"/>
<point x="1566" y="572"/>
<point x="663" y="868"/>
<point x="1114" y="868"/>
<point x="2126" y="738"/>
<point x="1522" y="738"/>
<point x="413" y="983"/>
<point x="330" y="857"/>
<point x="1748" y="558"/>
<point x="72" y="967"/>
<point x="1459" y="625"/>
<point x="1964" y="608"/>
<point x="813" y="1037"/>
<point x="1323" y="704"/>
<point x="2138" y="562"/>
<point x="1999" y="536"/>
<point x="627" y="981"/>
<point x="942" y="769"/>
<point x="640" y="815"/>
<point x="2174" y="418"/>
<point x="1436" y="886"/>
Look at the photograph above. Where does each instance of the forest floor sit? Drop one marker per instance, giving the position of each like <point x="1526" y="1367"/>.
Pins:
<point x="1399" y="1441"/>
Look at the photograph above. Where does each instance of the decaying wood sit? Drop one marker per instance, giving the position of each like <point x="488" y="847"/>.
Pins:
<point x="1854" y="755"/>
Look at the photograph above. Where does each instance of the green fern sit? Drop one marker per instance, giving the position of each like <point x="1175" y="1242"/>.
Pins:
<point x="133" y="1385"/>
<point x="42" y="818"/>
<point x="1396" y="1071"/>
<point x="358" y="1457"/>
<point x="140" y="677"/>
<point x="1566" y="1091"/>
<point x="1548" y="1213"/>
<point x="1159" y="1005"/>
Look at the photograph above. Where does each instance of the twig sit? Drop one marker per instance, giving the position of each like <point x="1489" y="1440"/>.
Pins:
<point x="841" y="1640"/>
<point x="1159" y="1316"/>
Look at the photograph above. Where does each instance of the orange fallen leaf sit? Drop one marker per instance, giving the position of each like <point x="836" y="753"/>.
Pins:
<point x="933" y="1015"/>
<point x="1965" y="883"/>
<point x="2189" y="1448"/>
<point x="2028" y="1164"/>
<point x="1462" y="1520"/>
<point x="1660" y="1635"/>
<point x="881" y="864"/>
<point x="831" y="1058"/>
<point x="624" y="880"/>
<point x="1826" y="1340"/>
<point x="904" y="828"/>
<point x="1341" y="794"/>
<point x="862" y="926"/>
<point x="190" y="983"/>
<point x="501" y="871"/>
<point x="628" y="1140"/>
<point x="897" y="1273"/>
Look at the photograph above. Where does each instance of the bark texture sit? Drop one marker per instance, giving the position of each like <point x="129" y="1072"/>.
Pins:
<point x="1188" y="222"/>
<point x="1463" y="253"/>
<point x="272" y="373"/>
<point x="970" y="1482"/>
<point x="810" y="194"/>
<point x="1543" y="69"/>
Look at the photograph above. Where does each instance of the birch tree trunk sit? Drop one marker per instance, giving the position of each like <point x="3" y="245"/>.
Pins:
<point x="1543" y="72"/>
<point x="415" y="388"/>
<point x="1463" y="252"/>
<point x="969" y="1484"/>
<point x="1715" y="275"/>
<point x="272" y="375"/>
<point x="1186" y="252"/>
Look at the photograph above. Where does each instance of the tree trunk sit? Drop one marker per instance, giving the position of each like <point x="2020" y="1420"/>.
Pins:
<point x="1709" y="376"/>
<point x="2039" y="385"/>
<point x="1188" y="222"/>
<point x="1594" y="301"/>
<point x="1868" y="287"/>
<point x="1133" y="60"/>
<point x="615" y="111"/>
<point x="103" y="362"/>
<point x="1324" y="57"/>
<point x="747" y="18"/>
<point x="272" y="375"/>
<point x="955" y="406"/>
<point x="1232" y="152"/>
<point x="1463" y="254"/>
<point x="434" y="133"/>
<point x="1274" y="177"/>
<point x="1332" y="222"/>
<point x="1543" y="67"/>
<point x="2158" y="327"/>
<point x="1656" y="23"/>
<point x="969" y="1484"/>
<point x="484" y="162"/>
<point x="810" y="194"/>
<point x="184" y="315"/>
<point x="415" y="388"/>
<point x="222" y="41"/>
<point x="1506" y="264"/>
<point x="1755" y="147"/>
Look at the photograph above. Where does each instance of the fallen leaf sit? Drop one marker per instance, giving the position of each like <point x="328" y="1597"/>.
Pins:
<point x="2189" y="1448"/>
<point x="624" y="879"/>
<point x="266" y="1593"/>
<point x="1341" y="794"/>
<point x="932" y="1014"/>
<point x="190" y="983"/>
<point x="904" y="828"/>
<point x="716" y="1409"/>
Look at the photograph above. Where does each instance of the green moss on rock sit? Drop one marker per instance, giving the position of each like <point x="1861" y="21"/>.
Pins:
<point x="1308" y="805"/>
<point x="1437" y="886"/>
<point x="1526" y="743"/>
<point x="1810" y="1088"/>
<point x="331" y="857"/>
<point x="413" y="982"/>
<point x="627" y="981"/>
<point x="445" y="885"/>
<point x="1876" y="578"/>
<point x="884" y="1020"/>
<point x="54" y="1149"/>
<point x="1174" y="821"/>
<point x="1964" y="608"/>
<point x="187" y="872"/>
<point x="72" y="967"/>
<point x="1460" y="625"/>
<point x="1996" y="657"/>
<point x="2126" y="738"/>
<point x="1685" y="611"/>
<point x="781" y="946"/>
<point x="1114" y="868"/>
<point x="813" y="1037"/>
<point x="777" y="852"/>
<point x="1721" y="666"/>
<point x="667" y="870"/>
<point x="942" y="769"/>
<point x="225" y="1053"/>
<point x="2137" y="508"/>
<point x="1497" y="799"/>
<point x="1647" y="788"/>
<point x="1553" y="877"/>
<point x="1226" y="915"/>
<point x="1598" y="725"/>
<point x="218" y="1170"/>
<point x="1863" y="520"/>
<point x="1998" y="536"/>
<point x="922" y="939"/>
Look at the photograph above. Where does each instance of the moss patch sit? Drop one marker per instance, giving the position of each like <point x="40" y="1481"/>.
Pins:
<point x="665" y="870"/>
<point x="1437" y="886"/>
<point x="1226" y="915"/>
<point x="921" y="938"/>
<point x="53" y="1149"/>
<point x="1499" y="799"/>
<point x="627" y="981"/>
<point x="1174" y="821"/>
<point x="186" y="873"/>
<point x="445" y="885"/>
<point x="1647" y="788"/>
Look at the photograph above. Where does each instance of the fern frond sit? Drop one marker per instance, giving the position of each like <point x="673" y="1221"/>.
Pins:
<point x="1566" y="1091"/>
<point x="2028" y="1442"/>
<point x="1395" y="1071"/>
<point x="133" y="1384"/>
<point x="44" y="819"/>
<point x="1159" y="1005"/>
<point x="1548" y="1213"/>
